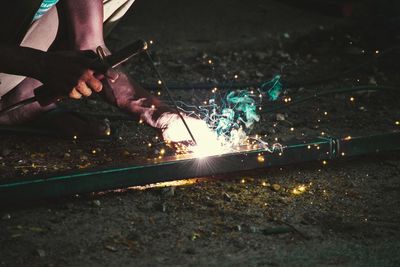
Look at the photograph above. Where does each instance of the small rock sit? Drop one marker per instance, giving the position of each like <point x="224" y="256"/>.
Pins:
<point x="286" y="35"/>
<point x="227" y="197"/>
<point x="259" y="74"/>
<point x="6" y="216"/>
<point x="239" y="227"/>
<point x="67" y="155"/>
<point x="276" y="187"/>
<point x="164" y="207"/>
<point x="261" y="55"/>
<point x="110" y="248"/>
<point x="168" y="191"/>
<point x="97" y="203"/>
<point x="280" y="117"/>
<point x="372" y="80"/>
<point x="41" y="253"/>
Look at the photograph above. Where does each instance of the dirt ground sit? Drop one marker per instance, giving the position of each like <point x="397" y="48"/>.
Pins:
<point x="344" y="213"/>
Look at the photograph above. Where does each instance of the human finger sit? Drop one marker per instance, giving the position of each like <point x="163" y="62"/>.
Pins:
<point x="75" y="94"/>
<point x="83" y="89"/>
<point x="94" y="84"/>
<point x="112" y="75"/>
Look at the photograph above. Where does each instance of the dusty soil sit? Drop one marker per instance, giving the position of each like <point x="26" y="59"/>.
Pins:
<point x="341" y="214"/>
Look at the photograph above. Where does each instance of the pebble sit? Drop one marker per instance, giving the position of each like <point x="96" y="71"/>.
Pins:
<point x="97" y="203"/>
<point x="276" y="187"/>
<point x="227" y="197"/>
<point x="259" y="74"/>
<point x="164" y="207"/>
<point x="110" y="248"/>
<point x="6" y="216"/>
<point x="261" y="55"/>
<point x="280" y="117"/>
<point x="168" y="191"/>
<point x="41" y="253"/>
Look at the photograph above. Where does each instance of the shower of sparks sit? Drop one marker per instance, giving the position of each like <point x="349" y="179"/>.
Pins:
<point x="232" y="116"/>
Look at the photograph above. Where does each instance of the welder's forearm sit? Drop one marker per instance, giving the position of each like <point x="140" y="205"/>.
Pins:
<point x="20" y="60"/>
<point x="85" y="23"/>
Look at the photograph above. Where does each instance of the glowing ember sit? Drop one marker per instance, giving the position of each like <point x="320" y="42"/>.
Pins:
<point x="298" y="190"/>
<point x="168" y="184"/>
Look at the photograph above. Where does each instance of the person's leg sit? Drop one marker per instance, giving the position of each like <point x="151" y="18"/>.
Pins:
<point x="114" y="10"/>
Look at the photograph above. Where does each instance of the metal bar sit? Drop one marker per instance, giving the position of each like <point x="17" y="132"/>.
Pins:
<point x="12" y="190"/>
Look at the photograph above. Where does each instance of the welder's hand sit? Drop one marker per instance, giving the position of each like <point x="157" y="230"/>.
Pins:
<point x="173" y="129"/>
<point x="71" y="72"/>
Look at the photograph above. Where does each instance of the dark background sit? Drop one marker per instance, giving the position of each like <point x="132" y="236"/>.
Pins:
<point x="348" y="215"/>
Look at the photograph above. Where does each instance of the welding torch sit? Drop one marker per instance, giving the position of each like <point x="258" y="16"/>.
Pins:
<point x="45" y="95"/>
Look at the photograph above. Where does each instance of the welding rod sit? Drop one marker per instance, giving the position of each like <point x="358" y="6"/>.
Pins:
<point x="166" y="89"/>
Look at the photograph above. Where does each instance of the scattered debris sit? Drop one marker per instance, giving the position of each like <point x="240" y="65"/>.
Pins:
<point x="110" y="248"/>
<point x="6" y="216"/>
<point x="275" y="187"/>
<point x="41" y="253"/>
<point x="96" y="202"/>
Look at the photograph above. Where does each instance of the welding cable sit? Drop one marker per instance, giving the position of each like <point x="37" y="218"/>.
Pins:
<point x="287" y="84"/>
<point x="341" y="90"/>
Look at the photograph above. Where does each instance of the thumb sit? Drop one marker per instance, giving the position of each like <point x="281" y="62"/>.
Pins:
<point x="112" y="75"/>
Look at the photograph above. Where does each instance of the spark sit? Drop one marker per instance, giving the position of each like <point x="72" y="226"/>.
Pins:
<point x="300" y="189"/>
<point x="260" y="158"/>
<point x="225" y="120"/>
<point x="167" y="184"/>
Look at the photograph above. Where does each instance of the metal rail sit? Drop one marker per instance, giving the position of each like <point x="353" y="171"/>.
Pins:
<point x="15" y="190"/>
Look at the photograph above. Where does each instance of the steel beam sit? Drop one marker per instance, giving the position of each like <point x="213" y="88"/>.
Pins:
<point x="18" y="189"/>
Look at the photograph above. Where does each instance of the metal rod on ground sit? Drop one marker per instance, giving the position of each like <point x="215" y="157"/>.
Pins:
<point x="166" y="89"/>
<point x="39" y="187"/>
